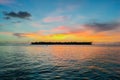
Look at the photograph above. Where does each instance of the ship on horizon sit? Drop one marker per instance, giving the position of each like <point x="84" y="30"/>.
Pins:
<point x="61" y="43"/>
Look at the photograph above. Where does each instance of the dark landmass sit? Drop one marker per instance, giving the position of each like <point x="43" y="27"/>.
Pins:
<point x="61" y="43"/>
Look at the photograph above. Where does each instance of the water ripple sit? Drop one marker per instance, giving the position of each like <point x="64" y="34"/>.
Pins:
<point x="59" y="63"/>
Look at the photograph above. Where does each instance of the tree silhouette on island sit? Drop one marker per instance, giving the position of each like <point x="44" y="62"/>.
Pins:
<point x="61" y="43"/>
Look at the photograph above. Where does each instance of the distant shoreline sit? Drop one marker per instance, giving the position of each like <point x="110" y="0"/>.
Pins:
<point x="61" y="43"/>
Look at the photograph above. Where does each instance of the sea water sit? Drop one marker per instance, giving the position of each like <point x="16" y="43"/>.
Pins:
<point x="59" y="62"/>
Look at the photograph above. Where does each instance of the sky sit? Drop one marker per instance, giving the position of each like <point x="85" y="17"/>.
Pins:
<point x="59" y="20"/>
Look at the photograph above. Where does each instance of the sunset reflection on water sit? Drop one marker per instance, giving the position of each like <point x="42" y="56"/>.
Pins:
<point x="60" y="62"/>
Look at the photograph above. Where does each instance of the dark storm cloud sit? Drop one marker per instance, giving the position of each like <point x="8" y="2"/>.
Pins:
<point x="20" y="14"/>
<point x="103" y="26"/>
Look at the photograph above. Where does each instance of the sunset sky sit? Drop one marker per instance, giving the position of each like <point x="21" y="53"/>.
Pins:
<point x="59" y="20"/>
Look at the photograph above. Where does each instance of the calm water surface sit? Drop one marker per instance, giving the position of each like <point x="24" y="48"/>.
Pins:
<point x="60" y="62"/>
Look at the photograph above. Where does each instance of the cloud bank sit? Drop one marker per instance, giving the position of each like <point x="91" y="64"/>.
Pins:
<point x="99" y="27"/>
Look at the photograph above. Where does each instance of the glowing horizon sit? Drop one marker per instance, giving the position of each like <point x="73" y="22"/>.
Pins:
<point x="62" y="21"/>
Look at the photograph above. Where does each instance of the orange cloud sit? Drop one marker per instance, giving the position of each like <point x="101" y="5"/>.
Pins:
<point x="73" y="36"/>
<point x="95" y="33"/>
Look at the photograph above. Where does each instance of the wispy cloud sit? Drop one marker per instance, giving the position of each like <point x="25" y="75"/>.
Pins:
<point x="61" y="28"/>
<point x="24" y="34"/>
<point x="4" y="2"/>
<point x="35" y="24"/>
<point x="55" y="19"/>
<point x="60" y="10"/>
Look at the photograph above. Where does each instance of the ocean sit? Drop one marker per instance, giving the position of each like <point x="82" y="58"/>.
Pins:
<point x="59" y="62"/>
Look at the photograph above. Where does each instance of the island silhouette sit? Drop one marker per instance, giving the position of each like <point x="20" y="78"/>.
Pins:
<point x="61" y="43"/>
